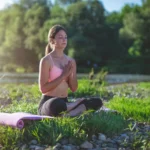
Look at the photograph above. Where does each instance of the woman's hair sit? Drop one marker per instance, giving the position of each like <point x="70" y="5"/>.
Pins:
<point x="51" y="35"/>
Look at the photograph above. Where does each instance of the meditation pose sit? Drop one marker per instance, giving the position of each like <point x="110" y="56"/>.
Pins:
<point x="57" y="73"/>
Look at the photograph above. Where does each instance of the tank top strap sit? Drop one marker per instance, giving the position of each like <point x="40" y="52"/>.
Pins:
<point x="52" y="60"/>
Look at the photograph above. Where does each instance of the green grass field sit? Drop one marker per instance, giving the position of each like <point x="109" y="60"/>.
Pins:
<point x="131" y="101"/>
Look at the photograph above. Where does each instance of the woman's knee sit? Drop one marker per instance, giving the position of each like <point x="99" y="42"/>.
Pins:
<point x="45" y="108"/>
<point x="58" y="107"/>
<point x="53" y="107"/>
<point x="93" y="103"/>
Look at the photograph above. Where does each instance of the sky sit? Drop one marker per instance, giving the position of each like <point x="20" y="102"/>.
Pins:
<point x="3" y="3"/>
<point x="109" y="5"/>
<point x="116" y="5"/>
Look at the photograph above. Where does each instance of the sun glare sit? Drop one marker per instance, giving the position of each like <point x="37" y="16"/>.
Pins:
<point x="5" y="3"/>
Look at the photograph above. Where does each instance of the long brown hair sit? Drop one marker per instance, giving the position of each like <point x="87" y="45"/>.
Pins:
<point x="51" y="35"/>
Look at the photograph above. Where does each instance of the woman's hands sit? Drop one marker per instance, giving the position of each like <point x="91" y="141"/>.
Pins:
<point x="69" y="75"/>
<point x="72" y="78"/>
<point x="68" y="68"/>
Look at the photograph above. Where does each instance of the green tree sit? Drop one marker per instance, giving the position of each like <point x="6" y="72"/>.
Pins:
<point x="27" y="4"/>
<point x="83" y="28"/>
<point x="12" y="39"/>
<point x="34" y="19"/>
<point x="57" y="16"/>
<point x="20" y="27"/>
<point x="135" y="35"/>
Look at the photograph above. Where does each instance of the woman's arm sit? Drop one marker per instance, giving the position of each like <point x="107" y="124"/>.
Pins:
<point x="72" y="79"/>
<point x="44" y="69"/>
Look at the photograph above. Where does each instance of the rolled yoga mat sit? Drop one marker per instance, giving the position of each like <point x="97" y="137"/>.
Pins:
<point x="17" y="119"/>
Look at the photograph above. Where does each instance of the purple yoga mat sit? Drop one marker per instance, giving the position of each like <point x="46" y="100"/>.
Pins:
<point x="17" y="119"/>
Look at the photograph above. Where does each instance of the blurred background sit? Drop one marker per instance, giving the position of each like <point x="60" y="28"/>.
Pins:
<point x="113" y="35"/>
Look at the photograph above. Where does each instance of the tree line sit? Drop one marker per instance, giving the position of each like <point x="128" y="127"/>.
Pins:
<point x="117" y="42"/>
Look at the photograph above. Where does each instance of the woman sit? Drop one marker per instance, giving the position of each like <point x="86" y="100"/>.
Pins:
<point x="57" y="73"/>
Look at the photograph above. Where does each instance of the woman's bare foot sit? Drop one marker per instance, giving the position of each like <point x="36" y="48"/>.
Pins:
<point x="72" y="105"/>
<point x="75" y="112"/>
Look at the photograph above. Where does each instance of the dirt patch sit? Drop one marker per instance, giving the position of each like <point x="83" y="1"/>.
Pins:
<point x="4" y="102"/>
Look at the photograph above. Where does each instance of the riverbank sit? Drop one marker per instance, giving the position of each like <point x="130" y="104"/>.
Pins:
<point x="128" y="140"/>
<point x="110" y="78"/>
<point x="100" y="131"/>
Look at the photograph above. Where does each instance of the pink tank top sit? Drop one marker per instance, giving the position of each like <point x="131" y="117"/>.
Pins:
<point x="55" y="72"/>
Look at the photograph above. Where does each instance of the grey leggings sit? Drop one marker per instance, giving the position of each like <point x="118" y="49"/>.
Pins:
<point x="54" y="106"/>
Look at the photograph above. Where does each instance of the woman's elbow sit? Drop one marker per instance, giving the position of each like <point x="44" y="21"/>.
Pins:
<point x="42" y="90"/>
<point x="74" y="89"/>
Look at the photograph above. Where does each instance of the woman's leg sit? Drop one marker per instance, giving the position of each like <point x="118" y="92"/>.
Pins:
<point x="44" y="98"/>
<point x="51" y="106"/>
<point x="90" y="103"/>
<point x="73" y="105"/>
<point x="83" y="104"/>
<point x="93" y="103"/>
<point x="54" y="107"/>
<point x="77" y="111"/>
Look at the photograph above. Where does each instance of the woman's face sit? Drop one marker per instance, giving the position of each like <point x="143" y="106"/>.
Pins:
<point x="60" y="40"/>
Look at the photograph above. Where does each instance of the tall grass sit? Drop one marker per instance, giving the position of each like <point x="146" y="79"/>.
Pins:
<point x="51" y="131"/>
<point x="102" y="122"/>
<point x="138" y="109"/>
<point x="129" y="101"/>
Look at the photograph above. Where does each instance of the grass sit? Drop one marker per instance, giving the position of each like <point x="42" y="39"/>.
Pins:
<point x="101" y="122"/>
<point x="49" y="132"/>
<point x="131" y="101"/>
<point x="136" y="108"/>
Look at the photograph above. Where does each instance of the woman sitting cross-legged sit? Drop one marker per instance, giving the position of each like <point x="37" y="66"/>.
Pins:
<point x="57" y="73"/>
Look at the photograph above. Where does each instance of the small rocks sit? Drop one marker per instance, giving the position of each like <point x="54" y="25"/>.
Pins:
<point x="102" y="137"/>
<point x="34" y="147"/>
<point x="57" y="146"/>
<point x="24" y="147"/>
<point x="67" y="147"/>
<point x="34" y="142"/>
<point x="64" y="141"/>
<point x="86" y="145"/>
<point x="94" y="137"/>
<point x="124" y="141"/>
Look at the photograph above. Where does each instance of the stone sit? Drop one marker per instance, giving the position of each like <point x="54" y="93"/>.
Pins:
<point x="23" y="147"/>
<point x="34" y="142"/>
<point x="86" y="144"/>
<point x="71" y="141"/>
<point x="39" y="148"/>
<point x="67" y="147"/>
<point x="49" y="148"/>
<point x="32" y="146"/>
<point x="102" y="137"/>
<point x="112" y="149"/>
<point x="94" y="138"/>
<point x="64" y="141"/>
<point x="58" y="145"/>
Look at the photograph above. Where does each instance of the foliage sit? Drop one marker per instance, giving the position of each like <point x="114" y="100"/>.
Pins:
<point x="138" y="141"/>
<point x="96" y="37"/>
<point x="54" y="130"/>
<point x="85" y="89"/>
<point x="102" y="122"/>
<point x="135" y="34"/>
<point x="129" y="107"/>
<point x="128" y="100"/>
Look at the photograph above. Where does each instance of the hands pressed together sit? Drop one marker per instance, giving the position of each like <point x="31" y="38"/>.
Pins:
<point x="68" y="69"/>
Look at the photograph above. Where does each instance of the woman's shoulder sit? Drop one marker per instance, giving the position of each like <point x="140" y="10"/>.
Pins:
<point x="69" y="58"/>
<point x="46" y="59"/>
